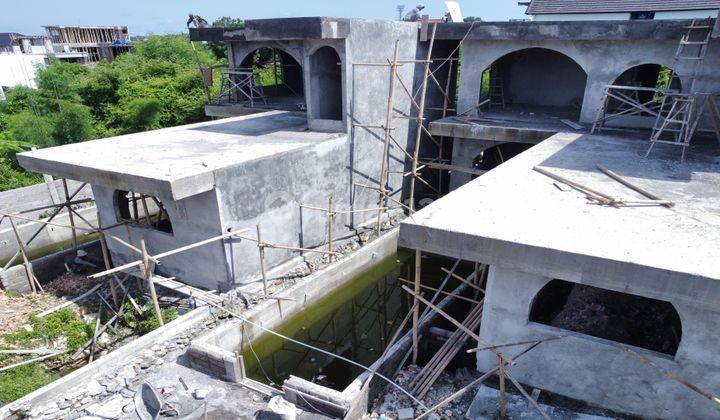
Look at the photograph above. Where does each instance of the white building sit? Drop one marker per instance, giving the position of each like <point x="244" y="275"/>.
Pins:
<point x="22" y="56"/>
<point x="552" y="10"/>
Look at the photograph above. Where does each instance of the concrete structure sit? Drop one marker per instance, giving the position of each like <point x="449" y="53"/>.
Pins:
<point x="234" y="173"/>
<point x="531" y="232"/>
<point x="556" y="70"/>
<point x="96" y="43"/>
<point x="584" y="10"/>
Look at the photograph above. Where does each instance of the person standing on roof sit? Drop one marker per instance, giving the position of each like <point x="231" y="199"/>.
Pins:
<point x="414" y="14"/>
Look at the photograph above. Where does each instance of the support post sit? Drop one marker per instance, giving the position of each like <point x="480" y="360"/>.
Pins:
<point x="416" y="311"/>
<point x="70" y="213"/>
<point x="420" y="116"/>
<point x="261" y="251"/>
<point x="386" y="148"/>
<point x="26" y="263"/>
<point x="501" y="377"/>
<point x="106" y="260"/>
<point x="129" y="239"/>
<point x="151" y="283"/>
<point x="330" y="216"/>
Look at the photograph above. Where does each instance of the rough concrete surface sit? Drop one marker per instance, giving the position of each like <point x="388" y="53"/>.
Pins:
<point x="531" y="229"/>
<point x="177" y="162"/>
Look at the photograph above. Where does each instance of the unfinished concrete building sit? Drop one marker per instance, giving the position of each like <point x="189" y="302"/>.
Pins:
<point x="586" y="246"/>
<point x="97" y="43"/>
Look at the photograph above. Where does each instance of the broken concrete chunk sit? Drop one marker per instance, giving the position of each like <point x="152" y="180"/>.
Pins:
<point x="111" y="408"/>
<point x="200" y="394"/>
<point x="284" y="409"/>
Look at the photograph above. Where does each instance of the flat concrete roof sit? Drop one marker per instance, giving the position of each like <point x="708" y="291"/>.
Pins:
<point x="177" y="162"/>
<point x="518" y="218"/>
<point x="504" y="126"/>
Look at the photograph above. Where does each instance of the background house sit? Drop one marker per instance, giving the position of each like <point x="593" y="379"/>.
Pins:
<point x="549" y="10"/>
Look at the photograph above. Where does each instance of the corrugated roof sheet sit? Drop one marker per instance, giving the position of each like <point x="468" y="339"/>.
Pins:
<point x="539" y="7"/>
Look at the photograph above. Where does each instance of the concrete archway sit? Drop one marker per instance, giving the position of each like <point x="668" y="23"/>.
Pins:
<point x="278" y="74"/>
<point x="535" y="80"/>
<point x="326" y="101"/>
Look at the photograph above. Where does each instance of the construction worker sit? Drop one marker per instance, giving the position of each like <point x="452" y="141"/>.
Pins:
<point x="197" y="20"/>
<point x="414" y="14"/>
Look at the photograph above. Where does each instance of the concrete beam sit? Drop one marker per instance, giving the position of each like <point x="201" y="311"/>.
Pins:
<point x="597" y="30"/>
<point x="282" y="29"/>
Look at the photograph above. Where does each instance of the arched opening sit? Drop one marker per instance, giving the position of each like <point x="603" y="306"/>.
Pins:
<point x="143" y="210"/>
<point x="277" y="78"/>
<point x="624" y="318"/>
<point x="326" y="84"/>
<point x="535" y="81"/>
<point x="646" y="76"/>
<point x="493" y="156"/>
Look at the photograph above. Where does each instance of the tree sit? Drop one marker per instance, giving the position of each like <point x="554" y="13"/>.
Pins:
<point x="72" y="124"/>
<point x="141" y="114"/>
<point x="472" y="19"/>
<point x="60" y="81"/>
<point x="30" y="129"/>
<point x="219" y="48"/>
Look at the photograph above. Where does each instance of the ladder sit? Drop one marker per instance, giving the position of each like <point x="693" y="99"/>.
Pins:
<point x="495" y="89"/>
<point x="679" y="113"/>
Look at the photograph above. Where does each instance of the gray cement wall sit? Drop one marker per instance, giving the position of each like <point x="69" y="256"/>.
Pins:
<point x="596" y="370"/>
<point x="193" y="219"/>
<point x="213" y="351"/>
<point x="603" y="61"/>
<point x="270" y="191"/>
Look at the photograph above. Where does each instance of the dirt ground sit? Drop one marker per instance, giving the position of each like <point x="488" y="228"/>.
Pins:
<point x="14" y="309"/>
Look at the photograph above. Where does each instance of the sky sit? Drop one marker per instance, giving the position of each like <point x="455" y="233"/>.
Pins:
<point x="169" y="16"/>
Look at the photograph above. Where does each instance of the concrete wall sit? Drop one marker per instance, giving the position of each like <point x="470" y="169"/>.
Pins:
<point x="193" y="219"/>
<point x="596" y="370"/>
<point x="269" y="191"/>
<point x="603" y="61"/>
<point x="531" y="77"/>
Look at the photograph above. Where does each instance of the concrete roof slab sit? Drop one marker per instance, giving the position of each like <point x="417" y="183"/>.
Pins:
<point x="176" y="162"/>
<point x="518" y="218"/>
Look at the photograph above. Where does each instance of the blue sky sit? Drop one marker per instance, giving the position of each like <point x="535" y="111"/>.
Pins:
<point x="163" y="16"/>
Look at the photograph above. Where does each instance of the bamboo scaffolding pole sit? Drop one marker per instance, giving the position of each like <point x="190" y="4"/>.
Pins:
<point x="473" y="384"/>
<point x="53" y="206"/>
<point x="519" y="343"/>
<point x="138" y="254"/>
<point x="432" y="289"/>
<point x="474" y="286"/>
<point x="150" y="283"/>
<point x="261" y="251"/>
<point x="70" y="213"/>
<point x="37" y="359"/>
<point x="40" y="229"/>
<point x="28" y="268"/>
<point x="169" y="253"/>
<point x="421" y="384"/>
<point x="106" y="261"/>
<point x="446" y="102"/>
<point x="633" y="187"/>
<point x="330" y="226"/>
<point x="458" y="324"/>
<point x="501" y="379"/>
<point x="382" y="201"/>
<point x="416" y="311"/>
<point x="145" y="209"/>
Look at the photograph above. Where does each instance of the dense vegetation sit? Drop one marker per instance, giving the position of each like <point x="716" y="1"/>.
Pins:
<point x="157" y="85"/>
